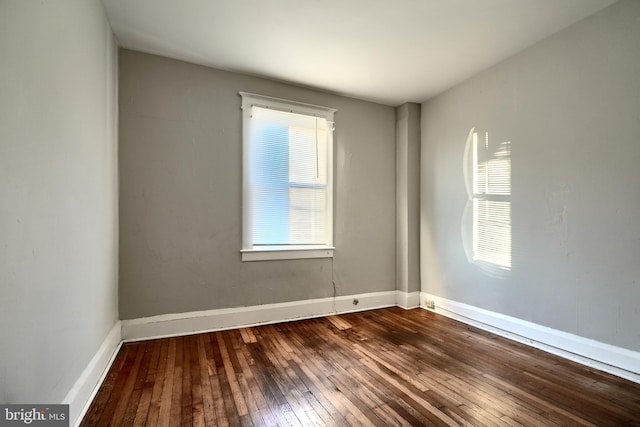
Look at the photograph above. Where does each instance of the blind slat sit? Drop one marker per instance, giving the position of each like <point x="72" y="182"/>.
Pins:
<point x="288" y="178"/>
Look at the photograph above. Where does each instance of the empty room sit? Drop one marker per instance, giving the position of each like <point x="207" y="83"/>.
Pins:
<point x="320" y="212"/>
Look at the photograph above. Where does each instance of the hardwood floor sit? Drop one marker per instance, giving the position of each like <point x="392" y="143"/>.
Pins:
<point x="381" y="367"/>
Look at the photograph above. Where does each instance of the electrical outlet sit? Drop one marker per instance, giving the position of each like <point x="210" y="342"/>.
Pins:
<point x="430" y="304"/>
<point x="355" y="301"/>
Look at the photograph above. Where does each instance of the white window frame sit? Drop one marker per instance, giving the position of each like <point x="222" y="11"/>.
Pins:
<point x="249" y="251"/>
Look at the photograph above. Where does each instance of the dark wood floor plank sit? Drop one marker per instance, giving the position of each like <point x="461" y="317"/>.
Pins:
<point x="335" y="365"/>
<point x="128" y="397"/>
<point x="323" y="407"/>
<point x="205" y="365"/>
<point x="246" y="380"/>
<point x="142" y="408"/>
<point x="314" y="362"/>
<point x="406" y="384"/>
<point x="467" y="380"/>
<point x="391" y="397"/>
<point x="359" y="400"/>
<point x="102" y="397"/>
<point x="365" y="390"/>
<point x="176" y="391"/>
<point x="285" y="380"/>
<point x="381" y="403"/>
<point x="389" y="367"/>
<point x="238" y="398"/>
<point x="411" y="412"/>
<point x="188" y="387"/>
<point x="164" y="416"/>
<point x="123" y="386"/>
<point x="197" y="403"/>
<point x="226" y="412"/>
<point x="158" y="385"/>
<point x="404" y="391"/>
<point x="219" y="416"/>
<point x="136" y="394"/>
<point x="551" y="406"/>
<point x="270" y="397"/>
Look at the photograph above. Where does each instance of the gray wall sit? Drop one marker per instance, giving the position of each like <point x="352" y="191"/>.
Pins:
<point x="58" y="209"/>
<point x="408" y="197"/>
<point x="181" y="194"/>
<point x="570" y="106"/>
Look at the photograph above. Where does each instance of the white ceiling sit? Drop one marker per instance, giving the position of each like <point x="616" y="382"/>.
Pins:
<point x="385" y="51"/>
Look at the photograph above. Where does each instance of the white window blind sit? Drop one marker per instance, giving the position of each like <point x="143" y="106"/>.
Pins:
<point x="492" y="231"/>
<point x="491" y="204"/>
<point x="288" y="173"/>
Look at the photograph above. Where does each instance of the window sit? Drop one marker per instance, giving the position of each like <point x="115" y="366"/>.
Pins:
<point x="489" y="197"/>
<point x="287" y="179"/>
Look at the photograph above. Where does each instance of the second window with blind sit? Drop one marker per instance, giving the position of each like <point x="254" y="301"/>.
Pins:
<point x="287" y="179"/>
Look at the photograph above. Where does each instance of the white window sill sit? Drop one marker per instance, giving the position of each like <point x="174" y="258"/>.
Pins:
<point x="284" y="252"/>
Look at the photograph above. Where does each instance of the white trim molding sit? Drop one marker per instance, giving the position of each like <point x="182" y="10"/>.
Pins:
<point x="86" y="386"/>
<point x="259" y="111"/>
<point x="169" y="325"/>
<point x="280" y="253"/>
<point x="408" y="300"/>
<point x="605" y="357"/>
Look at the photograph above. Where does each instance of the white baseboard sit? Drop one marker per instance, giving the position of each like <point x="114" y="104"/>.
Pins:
<point x="408" y="300"/>
<point x="168" y="325"/>
<point x="85" y="388"/>
<point x="605" y="357"/>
